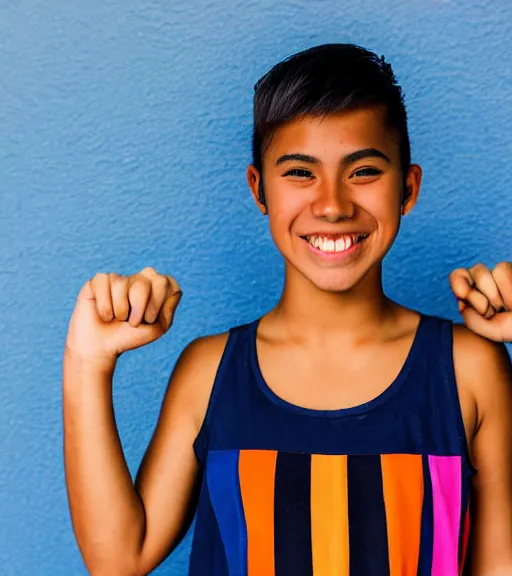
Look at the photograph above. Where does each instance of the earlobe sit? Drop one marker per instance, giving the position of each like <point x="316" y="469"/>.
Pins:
<point x="406" y="200"/>
<point x="408" y="203"/>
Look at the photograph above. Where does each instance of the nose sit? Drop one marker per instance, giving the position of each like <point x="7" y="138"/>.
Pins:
<point x="332" y="203"/>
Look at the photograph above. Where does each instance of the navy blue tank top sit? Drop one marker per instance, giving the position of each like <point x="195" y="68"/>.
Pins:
<point x="379" y="489"/>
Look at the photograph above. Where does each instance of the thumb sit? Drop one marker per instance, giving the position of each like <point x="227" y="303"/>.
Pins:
<point x="498" y="328"/>
<point x="128" y="337"/>
<point x="169" y="309"/>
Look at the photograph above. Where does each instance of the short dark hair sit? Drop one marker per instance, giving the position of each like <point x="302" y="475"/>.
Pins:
<point x="324" y="80"/>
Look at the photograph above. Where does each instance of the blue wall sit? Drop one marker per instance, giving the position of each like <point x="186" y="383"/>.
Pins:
<point x="124" y="137"/>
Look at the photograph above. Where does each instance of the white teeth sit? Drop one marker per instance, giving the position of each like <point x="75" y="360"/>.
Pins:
<point x="327" y="245"/>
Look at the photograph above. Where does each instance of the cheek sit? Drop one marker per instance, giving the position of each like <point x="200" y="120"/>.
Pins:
<point x="387" y="210"/>
<point x="280" y="222"/>
<point x="383" y="204"/>
<point x="284" y="206"/>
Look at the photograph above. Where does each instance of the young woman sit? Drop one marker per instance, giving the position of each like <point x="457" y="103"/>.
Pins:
<point x="340" y="433"/>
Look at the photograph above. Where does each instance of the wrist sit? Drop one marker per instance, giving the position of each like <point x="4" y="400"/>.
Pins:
<point x="98" y="363"/>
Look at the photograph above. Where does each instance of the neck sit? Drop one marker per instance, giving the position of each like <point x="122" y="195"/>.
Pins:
<point x="307" y="313"/>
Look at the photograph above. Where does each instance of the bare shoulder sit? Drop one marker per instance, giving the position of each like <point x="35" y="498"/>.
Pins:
<point x="206" y="351"/>
<point x="194" y="374"/>
<point x="476" y="357"/>
<point x="482" y="368"/>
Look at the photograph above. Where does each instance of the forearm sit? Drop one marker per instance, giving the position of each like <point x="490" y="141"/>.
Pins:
<point x="107" y="513"/>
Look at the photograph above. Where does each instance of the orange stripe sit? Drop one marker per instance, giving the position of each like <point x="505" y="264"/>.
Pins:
<point x="257" y="470"/>
<point x="402" y="478"/>
<point x="329" y="515"/>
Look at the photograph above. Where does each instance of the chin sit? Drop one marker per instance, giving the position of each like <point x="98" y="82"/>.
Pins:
<point x="335" y="282"/>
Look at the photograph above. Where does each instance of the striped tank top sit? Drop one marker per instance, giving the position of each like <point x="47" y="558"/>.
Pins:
<point x="379" y="489"/>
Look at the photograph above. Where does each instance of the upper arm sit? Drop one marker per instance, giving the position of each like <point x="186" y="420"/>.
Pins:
<point x="167" y="478"/>
<point x="484" y="368"/>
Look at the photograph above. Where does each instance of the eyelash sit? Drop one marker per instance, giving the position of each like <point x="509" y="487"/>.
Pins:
<point x="301" y="173"/>
<point x="372" y="171"/>
<point x="295" y="172"/>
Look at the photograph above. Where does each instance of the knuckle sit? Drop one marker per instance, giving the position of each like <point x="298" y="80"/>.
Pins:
<point x="453" y="275"/>
<point x="457" y="271"/>
<point x="148" y="270"/>
<point x="479" y="270"/>
<point x="161" y="282"/>
<point x="503" y="268"/>
<point x="100" y="276"/>
<point x="460" y="277"/>
<point x="174" y="284"/>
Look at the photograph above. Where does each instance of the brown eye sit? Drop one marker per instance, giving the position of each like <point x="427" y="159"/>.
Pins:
<point x="367" y="172"/>
<point x="298" y="173"/>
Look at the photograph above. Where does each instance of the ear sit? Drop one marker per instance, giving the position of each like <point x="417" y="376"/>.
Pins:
<point x="255" y="182"/>
<point x="412" y="188"/>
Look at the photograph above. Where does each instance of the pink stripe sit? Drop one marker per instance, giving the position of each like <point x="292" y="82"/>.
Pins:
<point x="445" y="472"/>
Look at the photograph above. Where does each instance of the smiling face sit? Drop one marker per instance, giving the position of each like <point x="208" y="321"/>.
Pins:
<point x="333" y="190"/>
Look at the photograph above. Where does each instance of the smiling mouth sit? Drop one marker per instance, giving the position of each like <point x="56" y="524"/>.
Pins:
<point x="333" y="244"/>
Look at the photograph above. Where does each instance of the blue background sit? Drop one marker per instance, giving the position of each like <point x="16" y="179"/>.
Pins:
<point x="124" y="138"/>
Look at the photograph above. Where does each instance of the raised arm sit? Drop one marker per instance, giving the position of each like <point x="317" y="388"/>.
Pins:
<point x="122" y="528"/>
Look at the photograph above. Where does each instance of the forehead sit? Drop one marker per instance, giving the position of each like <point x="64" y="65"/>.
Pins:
<point x="335" y="134"/>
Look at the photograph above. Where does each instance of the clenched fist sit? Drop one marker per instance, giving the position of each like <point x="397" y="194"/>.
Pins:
<point x="485" y="299"/>
<point x="116" y="313"/>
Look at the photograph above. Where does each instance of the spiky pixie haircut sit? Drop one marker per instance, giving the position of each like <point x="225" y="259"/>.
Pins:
<point x="323" y="80"/>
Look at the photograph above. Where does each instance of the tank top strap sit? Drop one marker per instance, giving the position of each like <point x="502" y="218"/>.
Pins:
<point x="235" y="352"/>
<point x="444" y="393"/>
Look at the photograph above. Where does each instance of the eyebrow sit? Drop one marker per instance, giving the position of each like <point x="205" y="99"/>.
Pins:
<point x="346" y="160"/>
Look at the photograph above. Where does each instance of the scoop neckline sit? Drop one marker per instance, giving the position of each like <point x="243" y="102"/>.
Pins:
<point x="385" y="395"/>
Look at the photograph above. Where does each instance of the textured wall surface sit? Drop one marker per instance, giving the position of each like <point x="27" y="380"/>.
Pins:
<point x="124" y="137"/>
